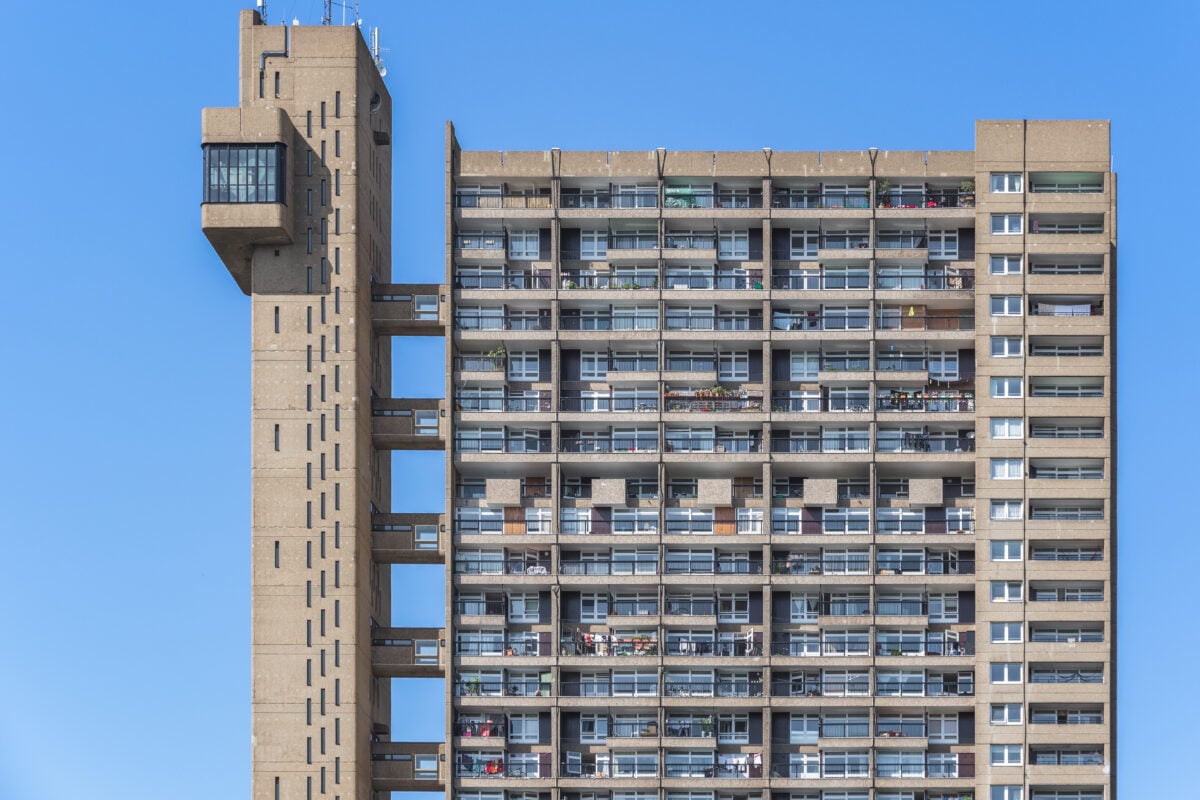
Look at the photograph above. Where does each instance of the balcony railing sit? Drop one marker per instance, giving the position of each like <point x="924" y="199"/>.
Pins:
<point x="576" y="279"/>
<point x="475" y="767"/>
<point x="608" y="567"/>
<point x="486" y="728"/>
<point x="827" y="565"/>
<point x="902" y="320"/>
<point x="707" y="444"/>
<point x="689" y="241"/>
<point x="514" y="687"/>
<point x="930" y="647"/>
<point x="690" y="364"/>
<point x="512" y="646"/>
<point x="608" y="323"/>
<point x="513" y="405"/>
<point x="923" y="443"/>
<point x="694" y="608"/>
<point x="610" y="200"/>
<point x="707" y="322"/>
<point x="632" y="241"/>
<point x="509" y="280"/>
<point x="837" y="443"/>
<point x="722" y="281"/>
<point x="945" y="766"/>
<point x="894" y="240"/>
<point x="510" y="566"/>
<point x="845" y="241"/>
<point x="816" y="321"/>
<point x="931" y="400"/>
<point x="886" y="687"/>
<point x="480" y="363"/>
<point x="473" y="200"/>
<point x="602" y="404"/>
<point x="887" y="564"/>
<point x="607" y="444"/>
<point x="688" y="403"/>
<point x="607" y="688"/>
<point x="691" y="566"/>
<point x="813" y="280"/>
<point x="929" y="282"/>
<point x="480" y="241"/>
<point x="496" y="322"/>
<point x="723" y="688"/>
<point x="941" y="199"/>
<point x="500" y="445"/>
<point x="677" y="647"/>
<point x="711" y="770"/>
<point x="480" y="608"/>
<point x="607" y="645"/>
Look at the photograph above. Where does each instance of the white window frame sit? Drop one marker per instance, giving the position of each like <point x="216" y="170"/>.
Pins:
<point x="1006" y="183"/>
<point x="943" y="244"/>
<point x="733" y="366"/>
<point x="733" y="244"/>
<point x="593" y="365"/>
<point x="1006" y="755"/>
<point x="519" y="365"/>
<point x="593" y="607"/>
<point x="1007" y="510"/>
<point x="808" y="241"/>
<point x="1005" y="305"/>
<point x="1006" y="632"/>
<point x="1007" y="591"/>
<point x="1007" y="469"/>
<point x="1005" y="672"/>
<point x="1009" y="714"/>
<point x="804" y="365"/>
<point x="1003" y="550"/>
<point x="1005" y="265"/>
<point x="593" y="245"/>
<point x="1007" y="427"/>
<point x="520" y="731"/>
<point x="1007" y="347"/>
<point x="1006" y="224"/>
<point x="524" y="245"/>
<point x="1007" y="387"/>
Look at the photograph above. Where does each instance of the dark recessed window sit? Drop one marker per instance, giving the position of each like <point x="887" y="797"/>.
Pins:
<point x="245" y="173"/>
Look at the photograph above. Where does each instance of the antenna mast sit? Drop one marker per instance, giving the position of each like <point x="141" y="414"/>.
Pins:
<point x="262" y="10"/>
<point x="327" y="17"/>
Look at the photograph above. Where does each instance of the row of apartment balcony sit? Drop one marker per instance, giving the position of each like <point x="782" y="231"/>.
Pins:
<point x="813" y="686"/>
<point x="707" y="195"/>
<point x="898" y="318"/>
<point x="719" y="401"/>
<point x="798" y="442"/>
<point x="749" y="193"/>
<point x="715" y="491"/>
<point x="818" y="279"/>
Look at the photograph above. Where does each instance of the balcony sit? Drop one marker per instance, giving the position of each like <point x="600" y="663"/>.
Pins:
<point x="512" y="280"/>
<point x="910" y="319"/>
<point x="518" y="404"/>
<point x="698" y="566"/>
<point x="929" y="281"/>
<point x="487" y="366"/>
<point x="716" y="400"/>
<point x="888" y="442"/>
<point x="930" y="399"/>
<point x="406" y="652"/>
<point x="818" y="279"/>
<point x="589" y="405"/>
<point x="605" y="645"/>
<point x="937" y="646"/>
<point x="721" y="281"/>
<point x="603" y="199"/>
<point x="603" y="567"/>
<point x="896" y="564"/>
<point x="492" y="201"/>
<point x="943" y="765"/>
<point x="945" y="198"/>
<point x="690" y="241"/>
<point x="821" y="565"/>
<point x="727" y="769"/>
<point x="711" y="444"/>
<point x="468" y="321"/>
<point x="829" y="443"/>
<point x="407" y="767"/>
<point x="586" y="279"/>
<point x="609" y="444"/>
<point x="502" y="566"/>
<point x="606" y="322"/>
<point x="513" y="646"/>
<point x="482" y="766"/>
<point x="493" y="445"/>
<point x="853" y="320"/>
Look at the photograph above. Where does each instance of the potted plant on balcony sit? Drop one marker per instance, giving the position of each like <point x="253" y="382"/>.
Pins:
<point x="966" y="193"/>
<point x="882" y="187"/>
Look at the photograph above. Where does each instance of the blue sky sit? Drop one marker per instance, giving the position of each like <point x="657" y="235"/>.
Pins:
<point x="125" y="486"/>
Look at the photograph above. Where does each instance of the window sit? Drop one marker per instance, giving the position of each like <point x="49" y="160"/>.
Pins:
<point x="1006" y="793"/>
<point x="1006" y="672"/>
<point x="943" y="244"/>
<point x="524" y="366"/>
<point x="1006" y="305"/>
<point x="245" y="173"/>
<point x="1007" y="428"/>
<point x="593" y="366"/>
<point x="1006" y="632"/>
<point x="1006" y="755"/>
<point x="523" y="245"/>
<point x="1007" y="591"/>
<point x="1006" y="182"/>
<point x="1006" y="223"/>
<point x="1005" y="265"/>
<point x="1006" y="714"/>
<point x="1006" y="469"/>
<point x="1006" y="347"/>
<point x="425" y="423"/>
<point x="1006" y="550"/>
<point x="1006" y="509"/>
<point x="593" y="245"/>
<point x="1006" y="387"/>
<point x="523" y="728"/>
<point x="524" y="607"/>
<point x="804" y="365"/>
<point x="733" y="244"/>
<point x="733" y="366"/>
<point x="425" y="306"/>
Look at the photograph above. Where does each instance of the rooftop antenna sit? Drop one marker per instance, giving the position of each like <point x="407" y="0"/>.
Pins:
<point x="376" y="52"/>
<point x="327" y="16"/>
<point x="262" y="9"/>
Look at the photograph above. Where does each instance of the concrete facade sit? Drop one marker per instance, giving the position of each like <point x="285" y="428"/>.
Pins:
<point x="769" y="474"/>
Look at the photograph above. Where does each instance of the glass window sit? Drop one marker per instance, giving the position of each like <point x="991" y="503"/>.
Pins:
<point x="1006" y="755"/>
<point x="1007" y="469"/>
<point x="245" y="173"/>
<point x="1005" y="793"/>
<point x="1006" y="347"/>
<point x="1007" y="427"/>
<point x="1006" y="632"/>
<point x="1006" y="672"/>
<point x="1006" y="182"/>
<point x="1006" y="550"/>
<point x="1006" y="509"/>
<point x="524" y="244"/>
<point x="1006" y="714"/>
<point x="1007" y="591"/>
<point x="1006" y="223"/>
<point x="1006" y="387"/>
<point x="1006" y="305"/>
<point x="1005" y="265"/>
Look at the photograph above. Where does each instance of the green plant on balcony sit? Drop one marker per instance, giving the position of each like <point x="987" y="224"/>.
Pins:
<point x="966" y="193"/>
<point x="882" y="187"/>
